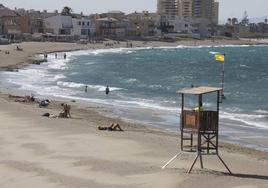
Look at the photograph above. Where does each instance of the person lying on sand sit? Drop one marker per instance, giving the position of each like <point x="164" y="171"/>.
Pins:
<point x="112" y="127"/>
<point x="22" y="98"/>
<point x="50" y="115"/>
<point x="61" y="115"/>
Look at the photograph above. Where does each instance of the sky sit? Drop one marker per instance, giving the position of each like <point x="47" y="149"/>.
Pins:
<point x="228" y="8"/>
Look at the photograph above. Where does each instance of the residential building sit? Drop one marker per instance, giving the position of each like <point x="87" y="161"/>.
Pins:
<point x="167" y="8"/>
<point x="83" y="27"/>
<point x="114" y="14"/>
<point x="206" y="9"/>
<point x="215" y="13"/>
<point x="168" y="11"/>
<point x="183" y="26"/>
<point x="9" y="22"/>
<point x="144" y="23"/>
<point x="24" y="21"/>
<point x="59" y="25"/>
<point x="110" y="28"/>
<point x="185" y="8"/>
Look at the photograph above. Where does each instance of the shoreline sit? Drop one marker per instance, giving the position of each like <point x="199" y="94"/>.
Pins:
<point x="19" y="59"/>
<point x="102" y="112"/>
<point x="59" y="153"/>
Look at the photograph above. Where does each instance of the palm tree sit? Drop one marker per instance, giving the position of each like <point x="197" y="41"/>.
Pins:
<point x="66" y="11"/>
<point x="229" y="21"/>
<point x="234" y="21"/>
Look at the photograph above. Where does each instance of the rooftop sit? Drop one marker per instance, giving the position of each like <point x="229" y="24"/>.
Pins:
<point x="6" y="12"/>
<point x="199" y="90"/>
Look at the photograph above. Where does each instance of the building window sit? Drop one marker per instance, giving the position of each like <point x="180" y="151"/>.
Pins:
<point x="79" y="23"/>
<point x="83" y="23"/>
<point x="87" y="23"/>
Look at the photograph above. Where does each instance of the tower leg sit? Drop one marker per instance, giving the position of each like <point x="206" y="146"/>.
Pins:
<point x="224" y="164"/>
<point x="189" y="171"/>
<point x="201" y="161"/>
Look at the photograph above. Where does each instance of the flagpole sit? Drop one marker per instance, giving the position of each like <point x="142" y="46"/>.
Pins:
<point x="222" y="79"/>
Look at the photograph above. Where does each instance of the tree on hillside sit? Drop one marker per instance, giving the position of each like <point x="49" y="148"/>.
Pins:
<point x="66" y="11"/>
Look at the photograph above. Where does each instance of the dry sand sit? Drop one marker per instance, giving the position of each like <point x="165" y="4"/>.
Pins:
<point x="41" y="152"/>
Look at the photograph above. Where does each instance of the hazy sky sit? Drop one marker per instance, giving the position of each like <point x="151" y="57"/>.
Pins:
<point x="228" y="8"/>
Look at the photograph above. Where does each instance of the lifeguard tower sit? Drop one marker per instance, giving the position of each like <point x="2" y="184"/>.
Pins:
<point x="199" y="128"/>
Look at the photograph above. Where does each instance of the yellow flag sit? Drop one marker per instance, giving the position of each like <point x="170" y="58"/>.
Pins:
<point x="219" y="57"/>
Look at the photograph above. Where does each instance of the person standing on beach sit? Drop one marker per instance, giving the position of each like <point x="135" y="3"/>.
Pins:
<point x="64" y="55"/>
<point x="86" y="89"/>
<point x="56" y="55"/>
<point x="107" y="90"/>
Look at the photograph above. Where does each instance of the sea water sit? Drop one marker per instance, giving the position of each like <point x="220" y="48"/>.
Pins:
<point x="143" y="84"/>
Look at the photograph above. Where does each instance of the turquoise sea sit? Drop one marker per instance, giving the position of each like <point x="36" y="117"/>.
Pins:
<point x="144" y="81"/>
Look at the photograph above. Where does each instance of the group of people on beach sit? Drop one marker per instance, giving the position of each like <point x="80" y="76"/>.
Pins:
<point x="129" y="45"/>
<point x="56" y="56"/>
<point x="107" y="89"/>
<point x="65" y="113"/>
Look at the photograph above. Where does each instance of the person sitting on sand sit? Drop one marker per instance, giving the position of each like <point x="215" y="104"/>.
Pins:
<point x="112" y="127"/>
<point x="66" y="111"/>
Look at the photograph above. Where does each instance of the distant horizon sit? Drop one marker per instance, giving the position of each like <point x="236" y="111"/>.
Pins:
<point x="228" y="8"/>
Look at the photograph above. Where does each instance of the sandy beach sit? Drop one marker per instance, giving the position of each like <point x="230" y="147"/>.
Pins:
<point x="43" y="152"/>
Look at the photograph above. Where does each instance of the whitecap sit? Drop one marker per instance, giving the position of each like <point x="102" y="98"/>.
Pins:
<point x="131" y="80"/>
<point x="70" y="84"/>
<point x="253" y="120"/>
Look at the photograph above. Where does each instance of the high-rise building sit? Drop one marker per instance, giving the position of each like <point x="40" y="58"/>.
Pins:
<point x="167" y="8"/>
<point x="185" y="8"/>
<point x="196" y="10"/>
<point x="215" y="13"/>
<point x="206" y="9"/>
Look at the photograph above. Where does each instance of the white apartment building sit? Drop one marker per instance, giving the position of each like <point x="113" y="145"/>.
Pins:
<point x="59" y="25"/>
<point x="83" y="27"/>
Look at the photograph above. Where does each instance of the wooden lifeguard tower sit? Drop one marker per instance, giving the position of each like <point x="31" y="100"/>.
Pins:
<point x="199" y="126"/>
